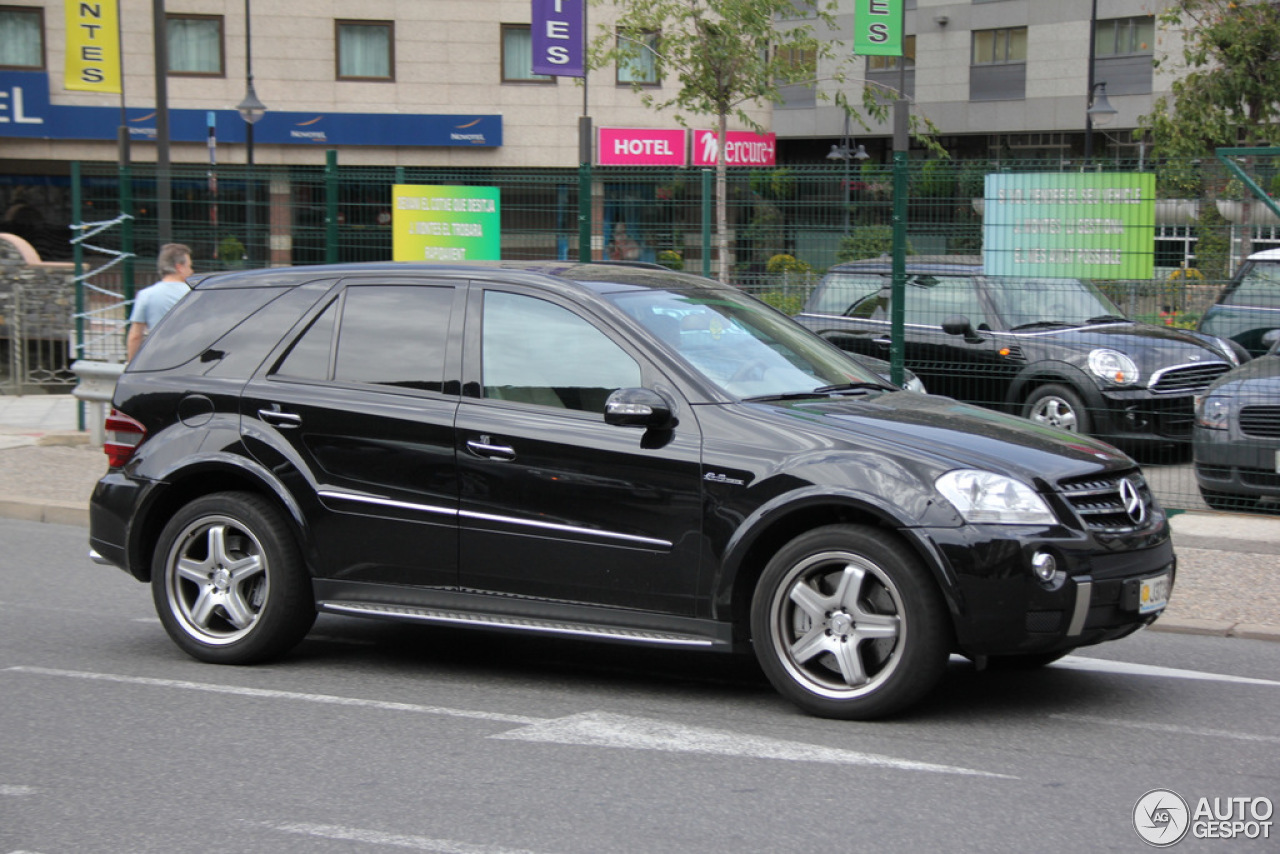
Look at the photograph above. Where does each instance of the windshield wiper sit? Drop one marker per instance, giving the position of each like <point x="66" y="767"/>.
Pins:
<point x="1108" y="318"/>
<point x="1040" y="324"/>
<point x="824" y="391"/>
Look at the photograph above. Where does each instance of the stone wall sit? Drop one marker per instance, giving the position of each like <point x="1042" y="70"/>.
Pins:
<point x="45" y="292"/>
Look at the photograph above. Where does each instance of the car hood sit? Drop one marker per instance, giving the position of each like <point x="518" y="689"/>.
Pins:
<point x="1152" y="347"/>
<point x="1258" y="378"/>
<point x="953" y="435"/>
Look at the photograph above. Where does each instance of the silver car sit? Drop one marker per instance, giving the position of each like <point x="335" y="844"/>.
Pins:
<point x="1236" y="439"/>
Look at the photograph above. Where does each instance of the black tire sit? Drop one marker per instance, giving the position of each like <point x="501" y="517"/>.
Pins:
<point x="1058" y="406"/>
<point x="848" y="624"/>
<point x="1033" y="661"/>
<point x="1227" y="502"/>
<point x="229" y="582"/>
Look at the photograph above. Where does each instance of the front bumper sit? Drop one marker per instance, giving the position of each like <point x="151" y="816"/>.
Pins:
<point x="1001" y="607"/>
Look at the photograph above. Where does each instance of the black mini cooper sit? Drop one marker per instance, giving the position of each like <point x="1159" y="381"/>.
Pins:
<point x="1057" y="351"/>
<point x="603" y="452"/>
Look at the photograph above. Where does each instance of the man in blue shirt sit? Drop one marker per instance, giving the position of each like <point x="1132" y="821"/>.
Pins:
<point x="152" y="303"/>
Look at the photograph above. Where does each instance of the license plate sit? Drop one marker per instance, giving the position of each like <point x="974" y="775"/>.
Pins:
<point x="1154" y="594"/>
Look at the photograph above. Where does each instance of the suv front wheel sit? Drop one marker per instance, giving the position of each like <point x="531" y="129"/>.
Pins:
<point x="847" y="624"/>
<point x="229" y="582"/>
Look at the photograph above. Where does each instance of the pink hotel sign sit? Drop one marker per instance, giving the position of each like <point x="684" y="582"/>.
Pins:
<point x="657" y="147"/>
<point x="642" y="147"/>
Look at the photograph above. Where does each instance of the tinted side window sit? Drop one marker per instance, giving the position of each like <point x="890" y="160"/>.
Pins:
<point x="852" y="294"/>
<point x="391" y="335"/>
<point x="534" y="351"/>
<point x="932" y="299"/>
<point x="196" y="322"/>
<point x="1259" y="286"/>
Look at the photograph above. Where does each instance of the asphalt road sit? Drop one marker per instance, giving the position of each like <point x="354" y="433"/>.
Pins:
<point x="378" y="738"/>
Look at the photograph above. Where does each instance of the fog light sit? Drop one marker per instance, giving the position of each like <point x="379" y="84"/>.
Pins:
<point x="1045" y="566"/>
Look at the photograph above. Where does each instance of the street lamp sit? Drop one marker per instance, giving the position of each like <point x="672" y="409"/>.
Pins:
<point x="1099" y="111"/>
<point x="846" y="152"/>
<point x="251" y="109"/>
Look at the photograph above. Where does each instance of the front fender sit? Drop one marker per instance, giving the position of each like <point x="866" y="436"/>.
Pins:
<point x="1042" y="373"/>
<point x="787" y="515"/>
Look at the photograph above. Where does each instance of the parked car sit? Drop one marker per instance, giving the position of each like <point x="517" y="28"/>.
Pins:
<point x="1057" y="351"/>
<point x="1236" y="444"/>
<point x="1249" y="306"/>
<point x="602" y="452"/>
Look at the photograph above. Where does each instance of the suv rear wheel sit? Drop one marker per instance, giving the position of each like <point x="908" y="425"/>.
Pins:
<point x="847" y="624"/>
<point x="229" y="582"/>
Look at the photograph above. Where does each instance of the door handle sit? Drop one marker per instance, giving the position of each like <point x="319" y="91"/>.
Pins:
<point x="280" y="419"/>
<point x="493" y="452"/>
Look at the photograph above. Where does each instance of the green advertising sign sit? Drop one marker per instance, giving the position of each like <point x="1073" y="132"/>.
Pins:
<point x="1086" y="225"/>
<point x="877" y="27"/>
<point x="430" y="223"/>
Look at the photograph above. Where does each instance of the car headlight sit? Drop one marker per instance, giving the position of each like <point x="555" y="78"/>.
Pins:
<point x="911" y="382"/>
<point x="987" y="497"/>
<point x="1112" y="366"/>
<point x="1213" y="411"/>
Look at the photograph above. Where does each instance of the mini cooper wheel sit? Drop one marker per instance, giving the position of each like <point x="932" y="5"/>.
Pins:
<point x="228" y="580"/>
<point x="1058" y="406"/>
<point x="847" y="624"/>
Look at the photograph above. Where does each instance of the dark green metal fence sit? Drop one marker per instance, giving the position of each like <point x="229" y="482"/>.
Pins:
<point x="788" y="225"/>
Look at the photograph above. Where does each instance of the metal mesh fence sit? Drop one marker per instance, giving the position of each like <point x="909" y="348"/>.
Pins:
<point x="1033" y="223"/>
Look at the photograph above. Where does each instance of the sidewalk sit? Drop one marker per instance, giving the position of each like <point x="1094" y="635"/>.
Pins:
<point x="1228" y="564"/>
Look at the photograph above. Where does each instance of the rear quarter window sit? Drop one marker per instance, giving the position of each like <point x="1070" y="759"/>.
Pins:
<point x="851" y="294"/>
<point x="197" y="322"/>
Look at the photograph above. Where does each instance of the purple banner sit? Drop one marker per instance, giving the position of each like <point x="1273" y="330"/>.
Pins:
<point x="557" y="31"/>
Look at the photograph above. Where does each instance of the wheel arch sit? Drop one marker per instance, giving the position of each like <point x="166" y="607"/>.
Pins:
<point x="203" y="477"/>
<point x="1040" y="374"/>
<point x="770" y="528"/>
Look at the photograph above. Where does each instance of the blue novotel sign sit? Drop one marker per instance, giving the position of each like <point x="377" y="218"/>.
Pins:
<point x="25" y="111"/>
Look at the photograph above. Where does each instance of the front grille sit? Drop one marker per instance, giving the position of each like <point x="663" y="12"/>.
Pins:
<point x="1260" y="478"/>
<point x="1262" y="420"/>
<point x="1187" y="379"/>
<point x="1098" y="502"/>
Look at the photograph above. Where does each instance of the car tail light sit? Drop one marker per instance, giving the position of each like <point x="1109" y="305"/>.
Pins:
<point x="123" y="436"/>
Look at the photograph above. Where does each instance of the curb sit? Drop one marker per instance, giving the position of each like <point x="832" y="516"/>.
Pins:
<point x="77" y="514"/>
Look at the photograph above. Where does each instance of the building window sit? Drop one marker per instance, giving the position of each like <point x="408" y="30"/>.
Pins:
<point x="21" y="38"/>
<point x="890" y="63"/>
<point x="1125" y="36"/>
<point x="643" y="67"/>
<point x="999" y="47"/>
<point x="366" y="50"/>
<point x="195" y="45"/>
<point x="999" y="69"/>
<point x="517" y="56"/>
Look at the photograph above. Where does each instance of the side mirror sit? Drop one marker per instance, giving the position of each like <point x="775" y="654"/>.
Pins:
<point x="1271" y="339"/>
<point x="958" y="324"/>
<point x="639" y="407"/>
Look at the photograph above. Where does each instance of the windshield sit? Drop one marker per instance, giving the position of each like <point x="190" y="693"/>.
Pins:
<point x="1023" y="302"/>
<point x="742" y="346"/>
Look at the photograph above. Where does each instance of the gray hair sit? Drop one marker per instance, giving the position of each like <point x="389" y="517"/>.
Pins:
<point x="171" y="255"/>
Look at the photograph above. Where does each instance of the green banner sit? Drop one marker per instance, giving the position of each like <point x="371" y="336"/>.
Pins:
<point x="1086" y="225"/>
<point x="877" y="27"/>
<point x="439" y="223"/>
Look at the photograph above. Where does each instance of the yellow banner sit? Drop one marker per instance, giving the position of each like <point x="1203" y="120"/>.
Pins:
<point x="93" y="46"/>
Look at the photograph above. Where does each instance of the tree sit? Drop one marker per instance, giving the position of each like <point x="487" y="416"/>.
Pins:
<point x="726" y="55"/>
<point x="1229" y="91"/>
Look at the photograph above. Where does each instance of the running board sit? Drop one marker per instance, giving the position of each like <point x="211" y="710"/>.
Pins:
<point x="521" y="624"/>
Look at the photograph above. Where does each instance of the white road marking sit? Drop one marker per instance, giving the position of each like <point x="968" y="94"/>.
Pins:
<point x="1170" y="728"/>
<point x="266" y="693"/>
<point x="378" y="837"/>
<point x="601" y="729"/>
<point x="16" y="791"/>
<point x="1098" y="665"/>
<point x="597" y="729"/>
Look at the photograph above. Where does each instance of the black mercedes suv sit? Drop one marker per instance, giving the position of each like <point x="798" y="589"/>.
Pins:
<point x="603" y="452"/>
<point x="1057" y="351"/>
